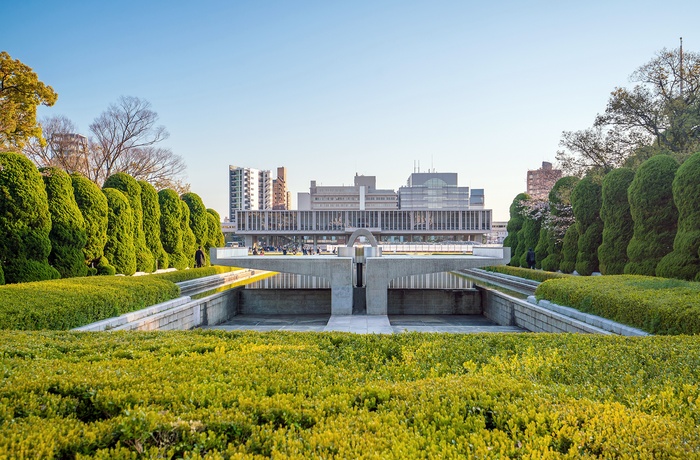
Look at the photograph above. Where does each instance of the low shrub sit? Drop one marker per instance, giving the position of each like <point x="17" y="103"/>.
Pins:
<point x="69" y="303"/>
<point x="656" y="305"/>
<point x="211" y="394"/>
<point x="192" y="273"/>
<point x="536" y="275"/>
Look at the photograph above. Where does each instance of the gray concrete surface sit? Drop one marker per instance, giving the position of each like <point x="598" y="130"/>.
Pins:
<point x="365" y="324"/>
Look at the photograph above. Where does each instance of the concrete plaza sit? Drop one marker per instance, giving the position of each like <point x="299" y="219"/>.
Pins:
<point x="364" y="324"/>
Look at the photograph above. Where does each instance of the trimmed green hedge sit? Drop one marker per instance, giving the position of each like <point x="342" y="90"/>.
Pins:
<point x="536" y="275"/>
<point x="185" y="275"/>
<point x="213" y="394"/>
<point x="656" y="305"/>
<point x="69" y="303"/>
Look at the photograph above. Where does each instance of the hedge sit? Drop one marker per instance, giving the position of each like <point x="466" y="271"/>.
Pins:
<point x="656" y="305"/>
<point x="69" y="303"/>
<point x="302" y="395"/>
<point x="185" y="275"/>
<point x="535" y="275"/>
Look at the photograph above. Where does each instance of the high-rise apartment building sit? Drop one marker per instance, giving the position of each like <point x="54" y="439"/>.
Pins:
<point x="540" y="181"/>
<point x="249" y="189"/>
<point x="280" y="195"/>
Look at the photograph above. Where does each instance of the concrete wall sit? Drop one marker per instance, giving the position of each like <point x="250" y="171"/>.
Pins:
<point x="510" y="311"/>
<point x="434" y="302"/>
<point x="284" y="302"/>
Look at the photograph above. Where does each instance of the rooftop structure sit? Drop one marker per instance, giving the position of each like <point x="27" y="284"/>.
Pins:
<point x="434" y="190"/>
<point x="363" y="195"/>
<point x="540" y="181"/>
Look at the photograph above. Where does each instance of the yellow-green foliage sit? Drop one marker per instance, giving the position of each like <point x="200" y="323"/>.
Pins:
<point x="286" y="395"/>
<point x="184" y="275"/>
<point x="65" y="304"/>
<point x="656" y="305"/>
<point x="536" y="275"/>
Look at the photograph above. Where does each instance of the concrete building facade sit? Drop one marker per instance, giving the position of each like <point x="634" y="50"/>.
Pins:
<point x="362" y="195"/>
<point x="540" y="181"/>
<point x="434" y="190"/>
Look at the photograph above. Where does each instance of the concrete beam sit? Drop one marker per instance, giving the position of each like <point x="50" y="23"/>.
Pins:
<point x="337" y="270"/>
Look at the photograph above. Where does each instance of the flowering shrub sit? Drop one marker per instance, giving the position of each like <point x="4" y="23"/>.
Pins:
<point x="301" y="395"/>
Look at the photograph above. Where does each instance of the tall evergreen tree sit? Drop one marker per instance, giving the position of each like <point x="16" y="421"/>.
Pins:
<point x="198" y="217"/>
<point x="654" y="214"/>
<point x="560" y="218"/>
<point x="515" y="224"/>
<point x="25" y="222"/>
<point x="617" y="222"/>
<point x="569" y="250"/>
<point x="93" y="207"/>
<point x="119" y="248"/>
<point x="586" y="199"/>
<point x="132" y="191"/>
<point x="68" y="237"/>
<point x="171" y="227"/>
<point x="215" y="238"/>
<point x="529" y="234"/>
<point x="151" y="224"/>
<point x="189" y="241"/>
<point x="684" y="261"/>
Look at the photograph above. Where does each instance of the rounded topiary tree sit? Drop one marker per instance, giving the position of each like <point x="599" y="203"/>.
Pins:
<point x="151" y="224"/>
<point x="171" y="227"/>
<point x="530" y="232"/>
<point x="216" y="237"/>
<point x="131" y="189"/>
<point x="189" y="242"/>
<point x="68" y="237"/>
<point x="617" y="221"/>
<point x="586" y="199"/>
<point x="92" y="204"/>
<point x="654" y="214"/>
<point x="198" y="218"/>
<point x="515" y="224"/>
<point x="560" y="218"/>
<point x="119" y="248"/>
<point x="683" y="262"/>
<point x="569" y="250"/>
<point x="25" y="222"/>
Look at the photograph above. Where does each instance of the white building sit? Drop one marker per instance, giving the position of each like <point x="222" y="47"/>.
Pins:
<point x="249" y="189"/>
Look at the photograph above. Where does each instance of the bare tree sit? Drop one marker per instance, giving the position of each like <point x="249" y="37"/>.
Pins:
<point x="156" y="165"/>
<point x="594" y="148"/>
<point x="64" y="147"/>
<point x="128" y="125"/>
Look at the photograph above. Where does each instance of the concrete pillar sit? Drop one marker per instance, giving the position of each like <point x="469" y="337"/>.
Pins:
<point x="341" y="288"/>
<point x="248" y="241"/>
<point x="377" y="287"/>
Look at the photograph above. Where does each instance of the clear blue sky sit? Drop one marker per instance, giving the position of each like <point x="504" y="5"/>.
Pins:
<point x="330" y="89"/>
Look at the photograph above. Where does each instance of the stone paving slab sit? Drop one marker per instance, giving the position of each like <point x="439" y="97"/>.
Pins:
<point x="365" y="324"/>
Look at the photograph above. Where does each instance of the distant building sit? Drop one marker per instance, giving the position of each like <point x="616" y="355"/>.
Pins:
<point x="498" y="233"/>
<point x="540" y="181"/>
<point x="249" y="189"/>
<point x="72" y="149"/>
<point x="433" y="190"/>
<point x="280" y="196"/>
<point x="363" y="195"/>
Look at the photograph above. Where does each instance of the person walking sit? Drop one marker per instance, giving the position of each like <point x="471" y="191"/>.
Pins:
<point x="199" y="258"/>
<point x="530" y="258"/>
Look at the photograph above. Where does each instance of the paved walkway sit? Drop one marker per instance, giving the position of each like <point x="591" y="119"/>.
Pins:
<point x="365" y="324"/>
